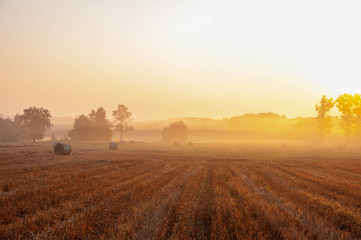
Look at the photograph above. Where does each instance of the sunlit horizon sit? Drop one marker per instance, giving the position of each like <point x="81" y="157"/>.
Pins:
<point x="166" y="60"/>
<point x="182" y="119"/>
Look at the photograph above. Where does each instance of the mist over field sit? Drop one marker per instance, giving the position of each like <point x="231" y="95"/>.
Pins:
<point x="180" y="119"/>
<point x="262" y="127"/>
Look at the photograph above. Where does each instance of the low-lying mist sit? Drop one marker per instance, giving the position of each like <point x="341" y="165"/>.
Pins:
<point x="251" y="128"/>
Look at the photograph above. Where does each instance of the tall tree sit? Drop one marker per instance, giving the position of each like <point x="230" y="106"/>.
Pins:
<point x="346" y="106"/>
<point x="357" y="114"/>
<point x="94" y="127"/>
<point x="98" y="116"/>
<point x="100" y="124"/>
<point x="122" y="120"/>
<point x="324" y="120"/>
<point x="81" y="128"/>
<point x="12" y="130"/>
<point x="36" y="121"/>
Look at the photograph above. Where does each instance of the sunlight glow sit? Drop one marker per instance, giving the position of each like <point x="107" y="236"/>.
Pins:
<point x="178" y="58"/>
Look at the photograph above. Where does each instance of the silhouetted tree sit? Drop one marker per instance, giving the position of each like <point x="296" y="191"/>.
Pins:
<point x="122" y="120"/>
<point x="81" y="128"/>
<point x="94" y="127"/>
<point x="12" y="130"/>
<point x="18" y="127"/>
<point x="5" y="124"/>
<point x="36" y="121"/>
<point x="100" y="124"/>
<point x="324" y="120"/>
<point x="175" y="132"/>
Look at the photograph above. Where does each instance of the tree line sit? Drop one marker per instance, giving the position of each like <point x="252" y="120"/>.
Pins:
<point x="31" y="125"/>
<point x="349" y="107"/>
<point x="34" y="122"/>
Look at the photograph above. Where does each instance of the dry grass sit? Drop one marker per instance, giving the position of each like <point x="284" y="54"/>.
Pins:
<point x="159" y="192"/>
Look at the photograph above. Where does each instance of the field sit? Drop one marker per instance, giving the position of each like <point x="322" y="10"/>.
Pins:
<point x="153" y="191"/>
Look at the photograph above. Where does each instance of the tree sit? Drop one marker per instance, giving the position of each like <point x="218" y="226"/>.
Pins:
<point x="12" y="130"/>
<point x="175" y="132"/>
<point x="357" y="114"/>
<point x="18" y="128"/>
<point x="5" y="134"/>
<point x="122" y="120"/>
<point x="324" y="120"/>
<point x="36" y="121"/>
<point x="346" y="105"/>
<point x="81" y="128"/>
<point x="94" y="127"/>
<point x="100" y="125"/>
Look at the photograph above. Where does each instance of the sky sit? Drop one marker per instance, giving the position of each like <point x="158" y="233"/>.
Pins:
<point x="166" y="59"/>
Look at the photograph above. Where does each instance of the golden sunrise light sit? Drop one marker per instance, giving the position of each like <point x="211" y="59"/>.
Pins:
<point x="180" y="119"/>
<point x="168" y="59"/>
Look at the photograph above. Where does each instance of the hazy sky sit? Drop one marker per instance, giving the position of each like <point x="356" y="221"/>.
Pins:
<point x="182" y="58"/>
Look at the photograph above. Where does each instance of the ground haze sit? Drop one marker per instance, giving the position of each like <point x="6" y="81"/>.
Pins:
<point x="154" y="191"/>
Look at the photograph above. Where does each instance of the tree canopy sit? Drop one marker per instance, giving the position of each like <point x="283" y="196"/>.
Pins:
<point x="122" y="120"/>
<point x="324" y="120"/>
<point x="36" y="122"/>
<point x="92" y="127"/>
<point x="350" y="108"/>
<point x="12" y="129"/>
<point x="31" y="125"/>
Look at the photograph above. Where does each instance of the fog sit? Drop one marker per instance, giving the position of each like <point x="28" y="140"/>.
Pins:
<point x="247" y="128"/>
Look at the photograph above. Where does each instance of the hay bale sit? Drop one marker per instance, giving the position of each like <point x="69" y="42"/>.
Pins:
<point x="176" y="144"/>
<point x="113" y="145"/>
<point x="62" y="149"/>
<point x="190" y="144"/>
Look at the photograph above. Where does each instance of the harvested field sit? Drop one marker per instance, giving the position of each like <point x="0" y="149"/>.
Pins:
<point x="150" y="191"/>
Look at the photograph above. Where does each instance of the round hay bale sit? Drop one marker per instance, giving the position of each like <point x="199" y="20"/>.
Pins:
<point x="176" y="144"/>
<point x="62" y="149"/>
<point x="190" y="144"/>
<point x="113" y="145"/>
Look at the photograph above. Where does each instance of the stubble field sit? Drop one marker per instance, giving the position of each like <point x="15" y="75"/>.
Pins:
<point x="152" y="191"/>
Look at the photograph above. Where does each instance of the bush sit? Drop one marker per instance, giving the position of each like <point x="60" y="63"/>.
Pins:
<point x="176" y="132"/>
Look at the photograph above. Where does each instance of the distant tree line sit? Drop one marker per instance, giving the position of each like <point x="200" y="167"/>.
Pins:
<point x="349" y="107"/>
<point x="31" y="125"/>
<point x="96" y="126"/>
<point x="34" y="122"/>
<point x="176" y="132"/>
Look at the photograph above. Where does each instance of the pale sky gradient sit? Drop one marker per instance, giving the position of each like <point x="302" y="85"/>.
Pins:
<point x="167" y="59"/>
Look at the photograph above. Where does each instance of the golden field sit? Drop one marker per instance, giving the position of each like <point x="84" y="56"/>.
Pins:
<point x="155" y="191"/>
